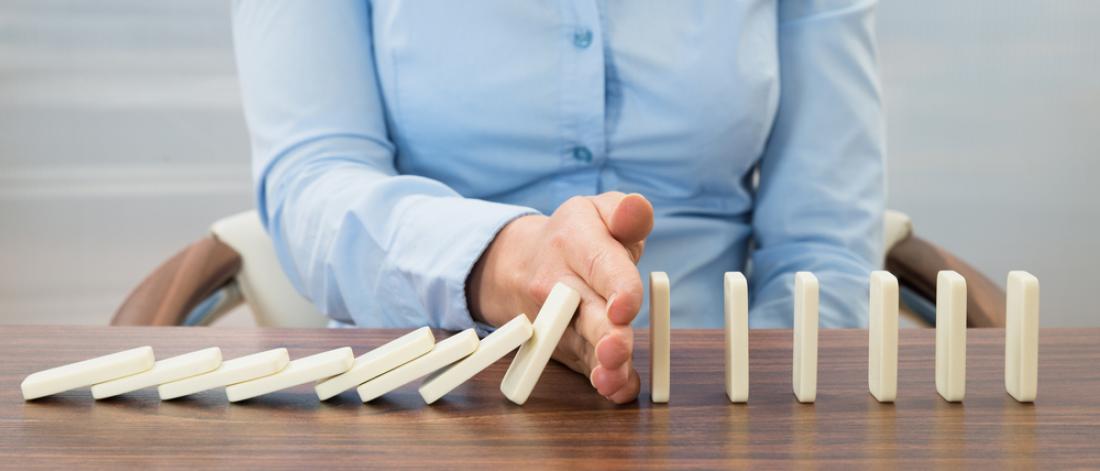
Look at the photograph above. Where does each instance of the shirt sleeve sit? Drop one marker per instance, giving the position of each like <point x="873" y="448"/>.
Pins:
<point x="364" y="243"/>
<point x="821" y="191"/>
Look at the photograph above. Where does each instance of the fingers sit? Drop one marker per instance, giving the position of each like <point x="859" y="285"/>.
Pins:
<point x="613" y="343"/>
<point x="628" y="392"/>
<point x="601" y="261"/>
<point x="575" y="352"/>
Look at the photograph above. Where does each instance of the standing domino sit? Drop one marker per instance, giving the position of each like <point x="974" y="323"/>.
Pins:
<point x="300" y="371"/>
<point x="450" y="350"/>
<point x="804" y="370"/>
<point x="659" y="337"/>
<point x="163" y="371"/>
<point x="492" y="348"/>
<point x="882" y="346"/>
<point x="230" y="372"/>
<point x="737" y="336"/>
<point x="369" y="365"/>
<point x="951" y="336"/>
<point x="1022" y="336"/>
<point x="550" y="324"/>
<point x="87" y="372"/>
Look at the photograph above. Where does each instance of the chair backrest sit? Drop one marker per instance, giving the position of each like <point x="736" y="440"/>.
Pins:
<point x="264" y="286"/>
<point x="898" y="227"/>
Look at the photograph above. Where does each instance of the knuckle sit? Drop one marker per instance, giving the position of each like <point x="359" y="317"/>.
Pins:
<point x="559" y="239"/>
<point x="573" y="203"/>
<point x="596" y="263"/>
<point x="537" y="289"/>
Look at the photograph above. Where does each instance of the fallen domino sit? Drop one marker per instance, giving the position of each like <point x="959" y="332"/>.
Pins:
<point x="450" y="350"/>
<point x="660" y="354"/>
<point x="163" y="371"/>
<point x="303" y="370"/>
<point x="233" y="371"/>
<point x="87" y="372"/>
<point x="492" y="348"/>
<point x="804" y="366"/>
<point x="550" y="324"/>
<point x="381" y="360"/>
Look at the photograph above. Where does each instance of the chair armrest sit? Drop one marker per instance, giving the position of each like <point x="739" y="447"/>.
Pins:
<point x="169" y="294"/>
<point x="917" y="262"/>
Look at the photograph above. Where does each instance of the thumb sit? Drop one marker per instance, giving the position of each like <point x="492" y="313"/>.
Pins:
<point x="629" y="218"/>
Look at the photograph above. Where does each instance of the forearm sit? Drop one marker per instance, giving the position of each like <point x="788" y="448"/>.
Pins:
<point x="822" y="179"/>
<point x="371" y="246"/>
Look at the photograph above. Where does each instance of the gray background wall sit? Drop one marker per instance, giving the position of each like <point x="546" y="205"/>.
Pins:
<point x="121" y="139"/>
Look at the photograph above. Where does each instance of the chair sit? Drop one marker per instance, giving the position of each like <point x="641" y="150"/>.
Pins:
<point x="236" y="263"/>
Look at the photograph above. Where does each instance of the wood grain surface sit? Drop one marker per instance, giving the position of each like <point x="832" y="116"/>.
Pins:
<point x="564" y="424"/>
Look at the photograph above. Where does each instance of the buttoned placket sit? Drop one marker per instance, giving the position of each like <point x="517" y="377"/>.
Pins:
<point x="583" y="96"/>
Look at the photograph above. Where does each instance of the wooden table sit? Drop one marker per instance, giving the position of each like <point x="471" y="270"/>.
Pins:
<point x="564" y="424"/>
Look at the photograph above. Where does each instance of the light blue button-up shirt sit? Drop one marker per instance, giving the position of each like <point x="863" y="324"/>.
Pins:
<point x="393" y="139"/>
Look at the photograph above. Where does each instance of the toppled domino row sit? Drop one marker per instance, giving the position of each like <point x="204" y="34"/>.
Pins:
<point x="456" y="359"/>
<point x="447" y="364"/>
<point x="1021" y="336"/>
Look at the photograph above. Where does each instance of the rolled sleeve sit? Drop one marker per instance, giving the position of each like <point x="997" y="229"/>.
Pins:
<point x="366" y="244"/>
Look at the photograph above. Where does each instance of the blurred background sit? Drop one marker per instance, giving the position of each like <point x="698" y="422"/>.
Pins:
<point x="122" y="139"/>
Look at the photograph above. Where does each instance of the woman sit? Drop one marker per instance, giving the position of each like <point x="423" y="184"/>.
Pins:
<point x="444" y="163"/>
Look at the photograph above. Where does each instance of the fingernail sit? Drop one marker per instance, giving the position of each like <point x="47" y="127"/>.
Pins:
<point x="610" y="303"/>
<point x="592" y="377"/>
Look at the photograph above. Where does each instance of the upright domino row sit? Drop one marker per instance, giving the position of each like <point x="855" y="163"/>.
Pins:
<point x="1021" y="336"/>
<point x="446" y="364"/>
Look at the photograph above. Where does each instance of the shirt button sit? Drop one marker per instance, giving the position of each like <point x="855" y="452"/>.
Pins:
<point x="582" y="38"/>
<point x="582" y="154"/>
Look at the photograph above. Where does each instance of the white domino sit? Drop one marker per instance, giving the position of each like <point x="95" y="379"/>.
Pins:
<point x="163" y="371"/>
<point x="492" y="348"/>
<point x="804" y="371"/>
<point x="450" y="350"/>
<point x="303" y="370"/>
<point x="882" y="345"/>
<point x="87" y="372"/>
<point x="737" y="336"/>
<point x="393" y="354"/>
<point x="1022" y="336"/>
<point x="660" y="354"/>
<point x="550" y="324"/>
<point x="230" y="372"/>
<point x="951" y="336"/>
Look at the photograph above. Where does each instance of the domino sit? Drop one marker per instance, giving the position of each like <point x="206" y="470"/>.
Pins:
<point x="550" y="324"/>
<point x="951" y="336"/>
<point x="163" y="371"/>
<point x="659" y="342"/>
<point x="450" y="350"/>
<point x="303" y="370"/>
<point x="492" y="348"/>
<point x="393" y="354"/>
<point x="1022" y="336"/>
<point x="804" y="371"/>
<point x="230" y="372"/>
<point x="88" y="372"/>
<point x="737" y="336"/>
<point x="882" y="344"/>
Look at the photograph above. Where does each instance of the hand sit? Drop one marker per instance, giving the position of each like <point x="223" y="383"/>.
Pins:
<point x="593" y="245"/>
